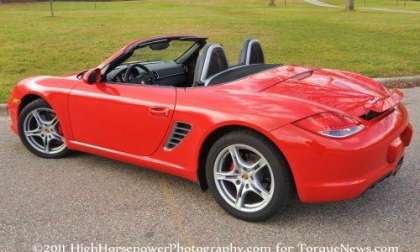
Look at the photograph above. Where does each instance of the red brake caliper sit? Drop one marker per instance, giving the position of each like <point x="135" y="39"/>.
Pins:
<point x="231" y="166"/>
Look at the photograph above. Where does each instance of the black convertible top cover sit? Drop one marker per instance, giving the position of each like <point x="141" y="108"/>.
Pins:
<point x="236" y="73"/>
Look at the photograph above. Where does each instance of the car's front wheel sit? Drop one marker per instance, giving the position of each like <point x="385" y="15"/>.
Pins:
<point x="40" y="130"/>
<point x="248" y="176"/>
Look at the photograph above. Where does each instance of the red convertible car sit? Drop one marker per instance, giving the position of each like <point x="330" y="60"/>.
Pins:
<point x="253" y="133"/>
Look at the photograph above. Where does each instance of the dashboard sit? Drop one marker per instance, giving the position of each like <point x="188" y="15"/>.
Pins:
<point x="165" y="73"/>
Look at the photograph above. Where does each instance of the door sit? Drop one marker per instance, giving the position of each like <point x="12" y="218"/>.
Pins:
<point x="130" y="118"/>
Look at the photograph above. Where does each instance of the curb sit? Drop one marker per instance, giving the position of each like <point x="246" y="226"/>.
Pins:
<point x="3" y="109"/>
<point x="400" y="82"/>
<point x="391" y="82"/>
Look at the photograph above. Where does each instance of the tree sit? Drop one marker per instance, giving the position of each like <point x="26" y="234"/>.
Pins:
<point x="272" y="3"/>
<point x="350" y="5"/>
<point x="51" y="8"/>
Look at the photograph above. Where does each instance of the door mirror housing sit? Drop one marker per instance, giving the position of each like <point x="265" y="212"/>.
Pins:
<point x="92" y="76"/>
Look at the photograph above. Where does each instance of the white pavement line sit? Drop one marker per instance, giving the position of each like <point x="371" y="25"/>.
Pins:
<point x="179" y="220"/>
<point x="320" y="4"/>
<point x="327" y="5"/>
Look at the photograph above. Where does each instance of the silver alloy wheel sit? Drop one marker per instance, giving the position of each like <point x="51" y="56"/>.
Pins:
<point x="244" y="178"/>
<point x="41" y="130"/>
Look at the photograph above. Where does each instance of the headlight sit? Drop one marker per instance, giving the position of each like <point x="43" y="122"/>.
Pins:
<point x="330" y="124"/>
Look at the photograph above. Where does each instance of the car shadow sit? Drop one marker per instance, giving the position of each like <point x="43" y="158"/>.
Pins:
<point x="379" y="200"/>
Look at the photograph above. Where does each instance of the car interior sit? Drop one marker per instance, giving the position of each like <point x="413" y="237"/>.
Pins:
<point x="199" y="64"/>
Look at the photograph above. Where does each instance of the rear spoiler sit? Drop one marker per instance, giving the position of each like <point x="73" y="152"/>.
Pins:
<point x="383" y="104"/>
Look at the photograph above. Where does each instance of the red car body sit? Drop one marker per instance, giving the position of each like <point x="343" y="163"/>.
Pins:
<point x="131" y="123"/>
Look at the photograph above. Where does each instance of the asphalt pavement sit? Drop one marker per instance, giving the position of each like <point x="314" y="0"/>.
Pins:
<point x="88" y="200"/>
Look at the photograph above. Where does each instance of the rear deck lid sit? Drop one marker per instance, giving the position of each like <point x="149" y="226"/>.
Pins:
<point x="335" y="90"/>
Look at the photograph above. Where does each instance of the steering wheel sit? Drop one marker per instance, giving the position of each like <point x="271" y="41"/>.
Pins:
<point x="133" y="75"/>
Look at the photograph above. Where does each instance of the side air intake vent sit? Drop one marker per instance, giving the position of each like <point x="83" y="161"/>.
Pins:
<point x="179" y="131"/>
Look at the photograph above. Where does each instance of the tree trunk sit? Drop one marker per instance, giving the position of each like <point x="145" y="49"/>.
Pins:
<point x="51" y="8"/>
<point x="272" y="3"/>
<point x="350" y="5"/>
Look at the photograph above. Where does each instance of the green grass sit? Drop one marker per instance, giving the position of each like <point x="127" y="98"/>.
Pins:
<point x="376" y="44"/>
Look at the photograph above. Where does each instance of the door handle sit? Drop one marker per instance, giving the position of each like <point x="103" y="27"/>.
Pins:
<point x="159" y="111"/>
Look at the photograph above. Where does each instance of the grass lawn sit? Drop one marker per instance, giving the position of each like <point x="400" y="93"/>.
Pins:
<point x="79" y="37"/>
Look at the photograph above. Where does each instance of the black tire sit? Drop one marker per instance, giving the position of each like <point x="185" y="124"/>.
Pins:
<point x="36" y="104"/>
<point x="283" y="188"/>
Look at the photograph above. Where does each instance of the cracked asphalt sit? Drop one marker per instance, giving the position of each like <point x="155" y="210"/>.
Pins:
<point x="86" y="199"/>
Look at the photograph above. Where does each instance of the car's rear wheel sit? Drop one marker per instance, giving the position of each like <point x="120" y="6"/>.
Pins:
<point x="248" y="176"/>
<point x="40" y="130"/>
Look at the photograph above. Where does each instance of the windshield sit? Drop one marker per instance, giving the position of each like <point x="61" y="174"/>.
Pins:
<point x="162" y="51"/>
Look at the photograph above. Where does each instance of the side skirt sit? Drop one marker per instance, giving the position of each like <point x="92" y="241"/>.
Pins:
<point x="142" y="161"/>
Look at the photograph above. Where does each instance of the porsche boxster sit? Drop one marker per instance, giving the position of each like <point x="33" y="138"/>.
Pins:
<point x="254" y="134"/>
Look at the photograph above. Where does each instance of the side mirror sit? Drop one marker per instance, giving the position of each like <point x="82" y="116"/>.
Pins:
<point x="92" y="76"/>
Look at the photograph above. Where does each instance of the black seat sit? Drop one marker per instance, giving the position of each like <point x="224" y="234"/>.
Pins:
<point x="212" y="60"/>
<point x="251" y="53"/>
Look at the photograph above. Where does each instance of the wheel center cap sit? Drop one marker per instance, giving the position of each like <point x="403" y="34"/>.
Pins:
<point x="245" y="176"/>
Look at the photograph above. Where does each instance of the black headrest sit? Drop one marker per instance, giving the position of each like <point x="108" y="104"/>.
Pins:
<point x="212" y="60"/>
<point x="251" y="53"/>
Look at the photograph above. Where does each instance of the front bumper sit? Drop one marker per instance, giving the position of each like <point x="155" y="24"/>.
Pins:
<point x="12" y="111"/>
<point x="327" y="169"/>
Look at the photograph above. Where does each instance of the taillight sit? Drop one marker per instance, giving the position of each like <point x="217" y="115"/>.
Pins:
<point x="331" y="125"/>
